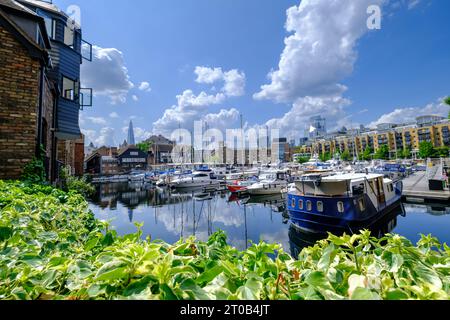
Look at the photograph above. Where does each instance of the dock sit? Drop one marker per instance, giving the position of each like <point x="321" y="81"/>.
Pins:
<point x="416" y="188"/>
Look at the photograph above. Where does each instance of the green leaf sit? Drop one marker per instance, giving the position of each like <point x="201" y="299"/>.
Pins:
<point x="137" y="287"/>
<point x="5" y="233"/>
<point x="167" y="293"/>
<point x="111" y="271"/>
<point x="318" y="279"/>
<point x="209" y="274"/>
<point x="364" y="294"/>
<point x="396" y="294"/>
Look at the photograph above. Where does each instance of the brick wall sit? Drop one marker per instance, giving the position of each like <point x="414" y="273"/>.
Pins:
<point x="19" y="88"/>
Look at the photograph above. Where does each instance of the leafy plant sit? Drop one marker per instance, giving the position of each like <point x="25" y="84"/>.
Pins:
<point x="71" y="183"/>
<point x="34" y="171"/>
<point x="426" y="150"/>
<point x="302" y="160"/>
<point x="382" y="153"/>
<point x="325" y="156"/>
<point x="367" y="154"/>
<point x="52" y="248"/>
<point x="345" y="156"/>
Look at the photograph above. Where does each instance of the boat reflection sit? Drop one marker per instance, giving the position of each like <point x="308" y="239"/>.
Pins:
<point x="300" y="238"/>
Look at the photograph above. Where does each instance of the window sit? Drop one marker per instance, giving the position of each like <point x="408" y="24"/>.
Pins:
<point x="340" y="207"/>
<point x="300" y="204"/>
<point x="70" y="89"/>
<point x="309" y="205"/>
<point x="50" y="25"/>
<point x="293" y="203"/>
<point x="319" y="206"/>
<point x="69" y="35"/>
<point x="362" y="205"/>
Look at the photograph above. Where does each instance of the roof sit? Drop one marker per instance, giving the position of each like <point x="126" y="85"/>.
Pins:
<point x="47" y="6"/>
<point x="12" y="4"/>
<point x="159" y="140"/>
<point x="30" y="44"/>
<point x="353" y="177"/>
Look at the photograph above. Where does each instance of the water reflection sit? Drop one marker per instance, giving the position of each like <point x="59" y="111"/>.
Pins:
<point x="170" y="215"/>
<point x="300" y="238"/>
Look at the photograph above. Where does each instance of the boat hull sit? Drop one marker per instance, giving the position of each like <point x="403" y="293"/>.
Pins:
<point x="334" y="221"/>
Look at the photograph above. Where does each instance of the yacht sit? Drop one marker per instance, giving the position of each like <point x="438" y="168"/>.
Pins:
<point x="342" y="201"/>
<point x="197" y="179"/>
<point x="270" y="183"/>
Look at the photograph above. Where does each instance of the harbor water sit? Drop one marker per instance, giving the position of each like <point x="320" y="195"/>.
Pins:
<point x="169" y="215"/>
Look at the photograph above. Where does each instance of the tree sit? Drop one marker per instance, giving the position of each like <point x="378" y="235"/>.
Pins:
<point x="345" y="156"/>
<point x="382" y="153"/>
<point x="367" y="154"/>
<point x="325" y="156"/>
<point x="302" y="160"/>
<point x="442" y="152"/>
<point x="426" y="150"/>
<point x="406" y="153"/>
<point x="447" y="101"/>
<point x="144" y="146"/>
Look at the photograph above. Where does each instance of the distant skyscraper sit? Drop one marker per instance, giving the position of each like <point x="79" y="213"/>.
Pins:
<point x="130" y="139"/>
<point x="317" y="127"/>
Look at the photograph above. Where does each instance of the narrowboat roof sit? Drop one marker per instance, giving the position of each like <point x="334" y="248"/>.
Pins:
<point x="353" y="177"/>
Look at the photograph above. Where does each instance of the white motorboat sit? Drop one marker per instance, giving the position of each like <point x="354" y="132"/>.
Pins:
<point x="270" y="183"/>
<point x="197" y="179"/>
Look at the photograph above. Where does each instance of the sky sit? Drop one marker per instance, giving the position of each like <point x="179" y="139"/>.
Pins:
<point x="165" y="64"/>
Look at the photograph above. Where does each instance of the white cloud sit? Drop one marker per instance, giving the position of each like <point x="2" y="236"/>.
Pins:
<point x="135" y="98"/>
<point x="409" y="114"/>
<point x="107" y="74"/>
<point x="145" y="86"/>
<point x="412" y="4"/>
<point x="97" y="120"/>
<point x="140" y="134"/>
<point x="320" y="52"/>
<point x="113" y="115"/>
<point x="294" y="122"/>
<point x="234" y="80"/>
<point x="104" y="138"/>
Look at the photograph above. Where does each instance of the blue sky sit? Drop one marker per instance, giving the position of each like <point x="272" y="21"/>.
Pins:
<point x="392" y="74"/>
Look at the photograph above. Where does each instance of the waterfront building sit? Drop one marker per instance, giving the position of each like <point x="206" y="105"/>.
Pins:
<point x="132" y="158"/>
<point x="160" y="151"/>
<point x="40" y="94"/>
<point x="397" y="137"/>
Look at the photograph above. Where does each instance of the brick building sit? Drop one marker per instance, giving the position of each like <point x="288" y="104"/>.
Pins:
<point x="27" y="96"/>
<point x="40" y="95"/>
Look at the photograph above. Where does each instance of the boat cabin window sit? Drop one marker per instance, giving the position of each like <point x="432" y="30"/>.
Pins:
<point x="300" y="204"/>
<point x="319" y="206"/>
<point x="358" y="190"/>
<point x="340" y="207"/>
<point x="201" y="175"/>
<point x="293" y="203"/>
<point x="390" y="187"/>
<point x="362" y="205"/>
<point x="309" y="205"/>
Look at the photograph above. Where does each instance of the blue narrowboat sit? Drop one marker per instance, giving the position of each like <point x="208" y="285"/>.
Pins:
<point x="341" y="202"/>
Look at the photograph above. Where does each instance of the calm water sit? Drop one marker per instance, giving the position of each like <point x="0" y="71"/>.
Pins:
<point x="169" y="215"/>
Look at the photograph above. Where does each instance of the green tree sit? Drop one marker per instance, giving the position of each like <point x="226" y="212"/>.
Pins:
<point x="302" y="160"/>
<point x="426" y="150"/>
<point x="144" y="146"/>
<point x="367" y="154"/>
<point x="406" y="153"/>
<point x="382" y="153"/>
<point x="325" y="156"/>
<point x="345" y="156"/>
<point x="447" y="101"/>
<point x="442" y="152"/>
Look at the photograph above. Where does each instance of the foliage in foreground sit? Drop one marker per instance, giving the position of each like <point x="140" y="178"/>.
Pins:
<point x="53" y="248"/>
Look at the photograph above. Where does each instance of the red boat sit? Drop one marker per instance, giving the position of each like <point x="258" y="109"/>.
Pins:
<point x="236" y="188"/>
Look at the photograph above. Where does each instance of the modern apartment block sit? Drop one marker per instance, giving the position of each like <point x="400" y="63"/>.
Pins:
<point x="41" y="51"/>
<point x="397" y="137"/>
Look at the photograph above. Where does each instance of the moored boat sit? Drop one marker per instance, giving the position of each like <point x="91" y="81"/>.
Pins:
<point x="342" y="201"/>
